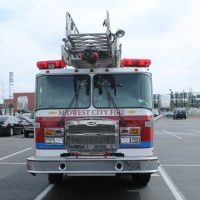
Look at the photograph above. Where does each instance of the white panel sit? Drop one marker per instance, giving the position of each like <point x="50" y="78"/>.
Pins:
<point x="140" y="152"/>
<point x="92" y="112"/>
<point x="127" y="152"/>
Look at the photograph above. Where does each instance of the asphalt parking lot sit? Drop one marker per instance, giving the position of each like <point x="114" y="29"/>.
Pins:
<point x="177" y="144"/>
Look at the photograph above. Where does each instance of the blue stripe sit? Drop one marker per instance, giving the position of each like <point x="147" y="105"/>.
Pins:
<point x="52" y="146"/>
<point x="141" y="145"/>
<point x="49" y="146"/>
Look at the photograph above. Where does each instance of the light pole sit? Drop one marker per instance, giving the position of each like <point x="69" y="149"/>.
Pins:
<point x="171" y="99"/>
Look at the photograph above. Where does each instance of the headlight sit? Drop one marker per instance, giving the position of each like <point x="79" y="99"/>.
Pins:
<point x="134" y="131"/>
<point x="130" y="140"/>
<point x="130" y="131"/>
<point x="58" y="140"/>
<point x="135" y="139"/>
<point x="51" y="140"/>
<point x="54" y="131"/>
<point x="124" y="140"/>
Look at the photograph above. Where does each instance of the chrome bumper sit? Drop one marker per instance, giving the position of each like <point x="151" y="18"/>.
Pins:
<point x="88" y="165"/>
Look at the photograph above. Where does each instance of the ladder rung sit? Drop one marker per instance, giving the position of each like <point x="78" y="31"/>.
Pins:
<point x="104" y="43"/>
<point x="77" y="62"/>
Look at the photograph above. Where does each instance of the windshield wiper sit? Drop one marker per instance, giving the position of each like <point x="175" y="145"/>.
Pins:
<point x="74" y="100"/>
<point x="111" y="99"/>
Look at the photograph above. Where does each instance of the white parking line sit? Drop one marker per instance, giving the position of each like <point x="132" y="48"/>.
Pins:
<point x="6" y="163"/>
<point x="181" y="165"/>
<point x="164" y="124"/>
<point x="45" y="192"/>
<point x="155" y="175"/>
<point x="175" y="191"/>
<point x="15" y="154"/>
<point x="172" y="134"/>
<point x="196" y="130"/>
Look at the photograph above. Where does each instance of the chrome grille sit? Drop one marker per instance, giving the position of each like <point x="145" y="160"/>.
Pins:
<point x="100" y="137"/>
<point x="99" y="128"/>
<point x="91" y="139"/>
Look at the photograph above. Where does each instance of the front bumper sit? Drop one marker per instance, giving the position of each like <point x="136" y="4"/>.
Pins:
<point x="95" y="165"/>
<point x="4" y="130"/>
<point x="29" y="129"/>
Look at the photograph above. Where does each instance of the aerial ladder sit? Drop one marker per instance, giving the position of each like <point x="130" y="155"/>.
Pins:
<point x="97" y="49"/>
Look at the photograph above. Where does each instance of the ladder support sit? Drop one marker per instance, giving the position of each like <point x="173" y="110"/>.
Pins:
<point x="103" y="44"/>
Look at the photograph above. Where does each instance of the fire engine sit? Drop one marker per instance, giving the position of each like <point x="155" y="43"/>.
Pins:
<point x="93" y="112"/>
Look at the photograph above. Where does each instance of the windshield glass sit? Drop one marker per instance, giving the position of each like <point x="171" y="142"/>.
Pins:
<point x="3" y="118"/>
<point x="122" y="90"/>
<point x="60" y="91"/>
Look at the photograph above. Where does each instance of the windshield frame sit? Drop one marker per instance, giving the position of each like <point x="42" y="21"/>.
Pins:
<point x="91" y="91"/>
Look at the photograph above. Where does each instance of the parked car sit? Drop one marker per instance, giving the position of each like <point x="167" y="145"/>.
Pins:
<point x="169" y="114"/>
<point x="179" y="114"/>
<point x="10" y="125"/>
<point x="26" y="114"/>
<point x="28" y="124"/>
<point x="155" y="113"/>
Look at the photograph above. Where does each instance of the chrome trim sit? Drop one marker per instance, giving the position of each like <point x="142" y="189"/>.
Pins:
<point x="100" y="137"/>
<point x="92" y="165"/>
<point x="91" y="123"/>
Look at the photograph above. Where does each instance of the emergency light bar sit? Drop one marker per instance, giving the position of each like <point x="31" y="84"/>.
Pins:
<point x="51" y="64"/>
<point x="135" y="62"/>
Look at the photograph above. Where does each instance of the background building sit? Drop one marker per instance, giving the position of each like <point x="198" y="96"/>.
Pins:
<point x="21" y="102"/>
<point x="189" y="101"/>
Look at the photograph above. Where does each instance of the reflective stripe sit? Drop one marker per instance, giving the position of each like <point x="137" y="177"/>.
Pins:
<point x="49" y="146"/>
<point x="122" y="146"/>
<point x="141" y="145"/>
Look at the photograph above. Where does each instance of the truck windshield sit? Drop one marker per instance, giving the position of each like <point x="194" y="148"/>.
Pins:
<point x="126" y="90"/>
<point x="61" y="91"/>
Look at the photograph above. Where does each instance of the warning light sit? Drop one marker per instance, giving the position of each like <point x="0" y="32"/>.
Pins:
<point x="135" y="62"/>
<point x="51" y="64"/>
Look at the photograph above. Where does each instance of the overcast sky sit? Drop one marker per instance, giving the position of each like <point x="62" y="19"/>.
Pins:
<point x="166" y="31"/>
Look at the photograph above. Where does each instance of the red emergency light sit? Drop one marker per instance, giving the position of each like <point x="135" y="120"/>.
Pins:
<point x="126" y="62"/>
<point x="51" y="64"/>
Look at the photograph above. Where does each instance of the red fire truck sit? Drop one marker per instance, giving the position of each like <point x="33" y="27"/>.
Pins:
<point x="93" y="110"/>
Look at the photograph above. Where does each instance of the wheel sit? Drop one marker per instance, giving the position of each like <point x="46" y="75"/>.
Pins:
<point x="11" y="131"/>
<point x="26" y="134"/>
<point x="22" y="132"/>
<point x="55" y="178"/>
<point x="141" y="179"/>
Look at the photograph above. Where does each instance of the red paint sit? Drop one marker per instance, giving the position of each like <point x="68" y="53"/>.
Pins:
<point x="139" y="121"/>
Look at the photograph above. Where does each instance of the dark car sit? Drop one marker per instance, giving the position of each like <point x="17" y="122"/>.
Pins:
<point x="169" y="114"/>
<point x="180" y="114"/>
<point x="10" y="125"/>
<point x="28" y="123"/>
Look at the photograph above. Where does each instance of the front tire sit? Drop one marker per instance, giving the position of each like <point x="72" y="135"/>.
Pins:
<point x="22" y="132"/>
<point x="26" y="134"/>
<point x="55" y="178"/>
<point x="11" y="131"/>
<point x="141" y="179"/>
